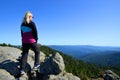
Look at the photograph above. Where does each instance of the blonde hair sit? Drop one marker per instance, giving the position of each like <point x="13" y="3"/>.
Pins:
<point x="26" y="17"/>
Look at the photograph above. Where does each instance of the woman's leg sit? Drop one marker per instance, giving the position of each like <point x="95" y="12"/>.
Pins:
<point x="36" y="50"/>
<point x="25" y="48"/>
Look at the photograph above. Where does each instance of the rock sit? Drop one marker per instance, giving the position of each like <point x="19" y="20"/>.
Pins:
<point x="53" y="65"/>
<point x="23" y="77"/>
<point x="54" y="69"/>
<point x="66" y="76"/>
<point x="70" y="76"/>
<point x="9" y="53"/>
<point x="110" y="75"/>
<point x="4" y="75"/>
<point x="42" y="57"/>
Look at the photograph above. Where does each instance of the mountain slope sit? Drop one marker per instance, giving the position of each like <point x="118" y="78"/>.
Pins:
<point x="106" y="58"/>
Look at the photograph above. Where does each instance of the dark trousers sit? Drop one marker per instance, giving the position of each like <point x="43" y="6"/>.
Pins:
<point x="25" y="49"/>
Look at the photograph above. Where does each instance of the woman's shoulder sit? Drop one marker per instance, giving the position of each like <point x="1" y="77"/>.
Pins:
<point x="32" y="23"/>
<point x="23" y="24"/>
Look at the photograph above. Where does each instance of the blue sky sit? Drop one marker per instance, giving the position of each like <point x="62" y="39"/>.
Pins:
<point x="63" y="22"/>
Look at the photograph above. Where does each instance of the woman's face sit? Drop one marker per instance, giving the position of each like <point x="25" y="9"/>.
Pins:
<point x="30" y="18"/>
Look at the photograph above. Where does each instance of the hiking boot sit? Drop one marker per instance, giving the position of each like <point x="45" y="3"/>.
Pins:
<point x="22" y="72"/>
<point x="36" y="66"/>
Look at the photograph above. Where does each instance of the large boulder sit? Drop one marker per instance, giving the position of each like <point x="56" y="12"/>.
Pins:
<point x="54" y="64"/>
<point x="110" y="75"/>
<point x="54" y="69"/>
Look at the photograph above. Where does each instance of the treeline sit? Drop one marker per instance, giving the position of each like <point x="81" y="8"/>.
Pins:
<point x="4" y="44"/>
<point x="9" y="45"/>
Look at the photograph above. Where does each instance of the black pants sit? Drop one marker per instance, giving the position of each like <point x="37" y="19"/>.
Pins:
<point x="25" y="49"/>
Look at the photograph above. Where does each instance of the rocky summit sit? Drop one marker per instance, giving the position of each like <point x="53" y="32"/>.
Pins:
<point x="51" y="68"/>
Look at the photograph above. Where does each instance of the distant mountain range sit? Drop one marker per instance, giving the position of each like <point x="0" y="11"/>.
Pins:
<point x="109" y="56"/>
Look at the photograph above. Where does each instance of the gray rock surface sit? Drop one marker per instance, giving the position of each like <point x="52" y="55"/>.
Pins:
<point x="4" y="75"/>
<point x="67" y="76"/>
<point x="9" y="53"/>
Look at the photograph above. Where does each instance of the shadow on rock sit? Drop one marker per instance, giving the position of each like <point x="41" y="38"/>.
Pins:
<point x="13" y="67"/>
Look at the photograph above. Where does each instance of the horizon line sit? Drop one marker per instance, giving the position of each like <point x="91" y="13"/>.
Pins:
<point x="70" y="45"/>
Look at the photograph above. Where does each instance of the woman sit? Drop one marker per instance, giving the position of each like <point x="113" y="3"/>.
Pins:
<point x="29" y="40"/>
